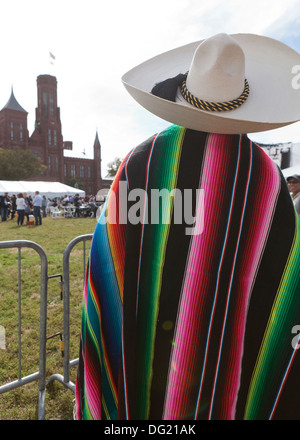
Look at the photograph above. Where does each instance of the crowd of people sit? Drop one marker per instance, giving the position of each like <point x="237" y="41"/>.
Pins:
<point x="22" y="206"/>
<point x="83" y="206"/>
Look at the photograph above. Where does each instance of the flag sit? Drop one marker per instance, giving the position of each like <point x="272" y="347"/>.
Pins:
<point x="52" y="57"/>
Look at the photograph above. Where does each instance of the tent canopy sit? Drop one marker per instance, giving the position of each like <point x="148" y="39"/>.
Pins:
<point x="48" y="189"/>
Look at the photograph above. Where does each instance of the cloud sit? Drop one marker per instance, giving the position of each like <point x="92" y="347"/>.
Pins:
<point x="287" y="27"/>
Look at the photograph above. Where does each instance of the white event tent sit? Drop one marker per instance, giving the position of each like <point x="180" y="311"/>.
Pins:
<point x="48" y="189"/>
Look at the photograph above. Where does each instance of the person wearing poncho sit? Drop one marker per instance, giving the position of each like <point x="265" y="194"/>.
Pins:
<point x="191" y="307"/>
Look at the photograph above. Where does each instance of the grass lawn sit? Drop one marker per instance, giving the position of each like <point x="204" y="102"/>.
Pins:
<point x="53" y="236"/>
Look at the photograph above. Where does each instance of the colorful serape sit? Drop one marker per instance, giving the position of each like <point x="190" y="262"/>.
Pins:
<point x="193" y="325"/>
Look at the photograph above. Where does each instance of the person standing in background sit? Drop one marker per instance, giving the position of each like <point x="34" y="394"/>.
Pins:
<point x="4" y="200"/>
<point x="13" y="206"/>
<point x="37" y="204"/>
<point x="20" y="203"/>
<point x="28" y="206"/>
<point x="76" y="202"/>
<point x="294" y="188"/>
<point x="44" y="206"/>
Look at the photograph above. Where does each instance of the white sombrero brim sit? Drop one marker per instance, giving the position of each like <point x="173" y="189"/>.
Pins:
<point x="273" y="102"/>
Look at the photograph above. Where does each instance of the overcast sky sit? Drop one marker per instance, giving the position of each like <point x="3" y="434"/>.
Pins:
<point x="96" y="42"/>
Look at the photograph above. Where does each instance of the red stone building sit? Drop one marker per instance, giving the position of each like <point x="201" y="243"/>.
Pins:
<point x="47" y="141"/>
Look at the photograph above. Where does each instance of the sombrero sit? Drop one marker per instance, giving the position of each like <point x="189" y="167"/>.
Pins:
<point x="246" y="81"/>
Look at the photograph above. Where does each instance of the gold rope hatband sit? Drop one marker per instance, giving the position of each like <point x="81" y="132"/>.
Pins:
<point x="214" y="106"/>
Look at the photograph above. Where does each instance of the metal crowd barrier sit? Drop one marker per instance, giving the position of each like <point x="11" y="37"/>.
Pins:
<point x="41" y="374"/>
<point x="65" y="284"/>
<point x="67" y="363"/>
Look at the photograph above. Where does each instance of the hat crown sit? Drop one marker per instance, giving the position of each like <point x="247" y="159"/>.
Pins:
<point x="217" y="71"/>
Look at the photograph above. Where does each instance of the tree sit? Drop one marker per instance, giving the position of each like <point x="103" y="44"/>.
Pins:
<point x="75" y="183"/>
<point x="112" y="167"/>
<point x="19" y="164"/>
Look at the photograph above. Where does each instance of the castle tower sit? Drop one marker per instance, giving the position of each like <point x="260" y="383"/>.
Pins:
<point x="47" y="139"/>
<point x="13" y="125"/>
<point x="97" y="158"/>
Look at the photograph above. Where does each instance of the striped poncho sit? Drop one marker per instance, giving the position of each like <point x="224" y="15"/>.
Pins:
<point x="183" y="323"/>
